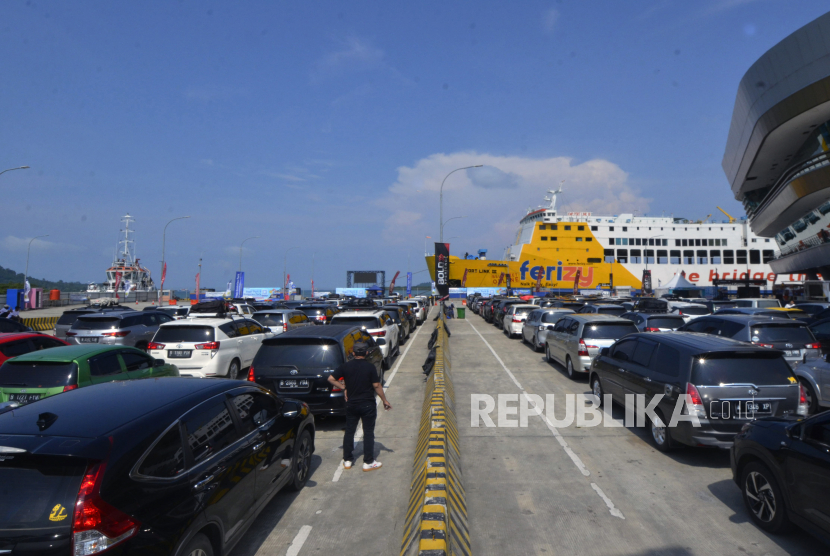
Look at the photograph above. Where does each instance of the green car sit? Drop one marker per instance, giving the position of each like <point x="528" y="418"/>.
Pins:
<point x="44" y="373"/>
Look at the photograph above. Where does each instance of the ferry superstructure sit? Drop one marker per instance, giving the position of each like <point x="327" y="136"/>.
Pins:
<point x="126" y="270"/>
<point x="551" y="248"/>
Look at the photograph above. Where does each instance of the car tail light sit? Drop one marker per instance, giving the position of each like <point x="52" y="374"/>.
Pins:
<point x="336" y="389"/>
<point x="803" y="407"/>
<point x="694" y="403"/>
<point x="763" y="345"/>
<point x="207" y="345"/>
<point x="379" y="333"/>
<point x="251" y="374"/>
<point x="812" y="346"/>
<point x="583" y="349"/>
<point x="154" y="345"/>
<point x="651" y="329"/>
<point x="119" y="334"/>
<point x="517" y="320"/>
<point x="69" y="387"/>
<point x="284" y="326"/>
<point x="71" y="333"/>
<point x="96" y="525"/>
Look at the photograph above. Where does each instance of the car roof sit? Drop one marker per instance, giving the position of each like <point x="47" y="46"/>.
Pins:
<point x="12" y="336"/>
<point x="588" y="317"/>
<point x="753" y="318"/>
<point x="96" y="410"/>
<point x="359" y="313"/>
<point x="649" y="314"/>
<point x="335" y="331"/>
<point x="210" y="321"/>
<point x="275" y="311"/>
<point x="523" y="305"/>
<point x="698" y="341"/>
<point x="66" y="353"/>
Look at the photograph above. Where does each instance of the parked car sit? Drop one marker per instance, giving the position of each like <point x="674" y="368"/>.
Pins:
<point x="319" y="313"/>
<point x="781" y="467"/>
<point x="68" y="318"/>
<point x="814" y="376"/>
<point x="538" y="323"/>
<point x="498" y="315"/>
<point x="514" y="318"/>
<point x="689" y="311"/>
<point x="419" y="307"/>
<point x="282" y="320"/>
<point x="753" y="311"/>
<point x="792" y="337"/>
<point x="379" y="325"/>
<point x="561" y="304"/>
<point x="576" y="339"/>
<point x="8" y="326"/>
<point x="20" y="343"/>
<point x="398" y="314"/>
<point x="655" y="322"/>
<point x="169" y="466"/>
<point x="652" y="305"/>
<point x="813" y="308"/>
<point x="728" y="383"/>
<point x="298" y="364"/>
<point x="759" y="302"/>
<point x="408" y="314"/>
<point x="178" y="312"/>
<point x="123" y="328"/>
<point x="603" y="309"/>
<point x="40" y="374"/>
<point x="210" y="347"/>
<point x="821" y="330"/>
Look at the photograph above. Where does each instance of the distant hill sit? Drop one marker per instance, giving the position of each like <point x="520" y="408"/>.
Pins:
<point x="10" y="278"/>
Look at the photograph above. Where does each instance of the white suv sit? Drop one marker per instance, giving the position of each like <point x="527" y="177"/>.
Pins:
<point x="419" y="307"/>
<point x="209" y="347"/>
<point x="379" y="324"/>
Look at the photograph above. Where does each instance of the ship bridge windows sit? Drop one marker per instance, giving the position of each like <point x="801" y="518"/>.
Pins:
<point x="579" y="239"/>
<point x="688" y="256"/>
<point x="741" y="256"/>
<point x="662" y="256"/>
<point x="728" y="256"/>
<point x="554" y="227"/>
<point x="649" y="256"/>
<point x="542" y="226"/>
<point x="702" y="256"/>
<point x="636" y="256"/>
<point x="714" y="256"/>
<point x="674" y="256"/>
<point x="768" y="255"/>
<point x="625" y="228"/>
<point x="589" y="239"/>
<point x="622" y="255"/>
<point x="754" y="257"/>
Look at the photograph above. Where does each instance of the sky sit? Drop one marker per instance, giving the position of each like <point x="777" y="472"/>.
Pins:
<point x="326" y="128"/>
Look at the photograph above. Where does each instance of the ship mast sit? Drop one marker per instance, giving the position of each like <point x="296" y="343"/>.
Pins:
<point x="553" y="195"/>
<point x="127" y="252"/>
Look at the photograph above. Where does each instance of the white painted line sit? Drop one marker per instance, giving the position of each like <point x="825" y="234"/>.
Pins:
<point x="299" y="541"/>
<point x="571" y="454"/>
<point x="358" y="435"/>
<point x="613" y="509"/>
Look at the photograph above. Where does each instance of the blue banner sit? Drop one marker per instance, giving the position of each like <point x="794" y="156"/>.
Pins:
<point x="408" y="284"/>
<point x="239" y="285"/>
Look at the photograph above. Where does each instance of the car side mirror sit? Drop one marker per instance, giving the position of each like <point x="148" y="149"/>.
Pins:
<point x="605" y="352"/>
<point x="266" y="329"/>
<point x="381" y="342"/>
<point x="290" y="409"/>
<point x="550" y="327"/>
<point x="158" y="362"/>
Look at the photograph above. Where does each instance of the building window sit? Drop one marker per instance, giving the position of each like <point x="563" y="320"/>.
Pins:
<point x="754" y="257"/>
<point x="766" y="240"/>
<point x="625" y="228"/>
<point x="609" y="253"/>
<point x="544" y="238"/>
<point x="714" y="255"/>
<point x="677" y="243"/>
<point x="541" y="226"/>
<point x="553" y="238"/>
<point x="610" y="228"/>
<point x="697" y="243"/>
<point x="741" y="256"/>
<point x="594" y="228"/>
<point x="768" y="255"/>
<point x="674" y="256"/>
<point x="579" y="239"/>
<point x="625" y="241"/>
<point x="589" y="239"/>
<point x="594" y="260"/>
<point x="688" y="257"/>
<point x="662" y="256"/>
<point x="702" y="256"/>
<point x="580" y="228"/>
<point x="685" y="243"/>
<point x="553" y="227"/>
<point x="754" y="240"/>
<point x="636" y="256"/>
<point x="622" y="255"/>
<point x="567" y="227"/>
<point x="728" y="257"/>
<point x="723" y="243"/>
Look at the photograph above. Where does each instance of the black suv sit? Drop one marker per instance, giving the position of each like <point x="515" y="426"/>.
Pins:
<point x="164" y="466"/>
<point x="726" y="383"/>
<point x="298" y="363"/>
<point x="791" y="336"/>
<point x="782" y="467"/>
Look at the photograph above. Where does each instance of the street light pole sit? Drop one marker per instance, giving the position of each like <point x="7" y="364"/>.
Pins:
<point x="285" y="270"/>
<point x="441" y="197"/>
<point x="163" y="245"/>
<point x="26" y="275"/>
<point x="240" y="250"/>
<point x="448" y="220"/>
<point x="425" y="243"/>
<point x="10" y="169"/>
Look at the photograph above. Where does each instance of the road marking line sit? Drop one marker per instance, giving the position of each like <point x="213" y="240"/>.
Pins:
<point x="571" y="454"/>
<point x="358" y="435"/>
<point x="299" y="541"/>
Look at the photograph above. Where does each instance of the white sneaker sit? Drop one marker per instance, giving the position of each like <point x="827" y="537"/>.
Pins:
<point x="347" y="464"/>
<point x="372" y="466"/>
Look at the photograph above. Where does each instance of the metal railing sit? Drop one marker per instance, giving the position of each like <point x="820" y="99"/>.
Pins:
<point x="791" y="173"/>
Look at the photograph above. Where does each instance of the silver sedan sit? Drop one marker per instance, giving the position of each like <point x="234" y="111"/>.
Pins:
<point x="814" y="377"/>
<point x="538" y="323"/>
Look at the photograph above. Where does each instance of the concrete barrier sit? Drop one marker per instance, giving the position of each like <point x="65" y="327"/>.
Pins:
<point x="41" y="324"/>
<point x="436" y="517"/>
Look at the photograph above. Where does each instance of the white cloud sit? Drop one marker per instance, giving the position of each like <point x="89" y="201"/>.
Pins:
<point x="21" y="244"/>
<point x="495" y="197"/>
<point x="549" y="19"/>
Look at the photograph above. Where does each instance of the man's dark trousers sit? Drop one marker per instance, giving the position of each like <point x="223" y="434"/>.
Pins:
<point x="366" y="411"/>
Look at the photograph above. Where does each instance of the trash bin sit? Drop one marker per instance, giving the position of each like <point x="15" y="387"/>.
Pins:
<point x="461" y="311"/>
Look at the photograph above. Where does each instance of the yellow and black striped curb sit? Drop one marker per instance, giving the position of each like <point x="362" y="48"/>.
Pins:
<point x="436" y="516"/>
<point x="41" y="323"/>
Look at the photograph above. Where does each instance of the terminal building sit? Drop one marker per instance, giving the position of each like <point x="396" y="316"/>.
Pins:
<point x="777" y="157"/>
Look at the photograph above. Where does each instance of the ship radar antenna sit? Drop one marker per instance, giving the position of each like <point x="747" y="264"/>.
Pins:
<point x="553" y="195"/>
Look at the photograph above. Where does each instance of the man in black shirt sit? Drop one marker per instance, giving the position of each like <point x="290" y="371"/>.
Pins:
<point x="359" y="379"/>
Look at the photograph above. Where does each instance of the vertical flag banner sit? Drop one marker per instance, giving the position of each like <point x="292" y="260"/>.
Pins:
<point x="646" y="281"/>
<point x="539" y="281"/>
<point x="576" y="280"/>
<point x="392" y="284"/>
<point x="163" y="276"/>
<point x="239" y="285"/>
<point x="464" y="279"/>
<point x="117" y="283"/>
<point x="312" y="288"/>
<point x="285" y="293"/>
<point x="408" y="284"/>
<point x="442" y="268"/>
<point x="197" y="286"/>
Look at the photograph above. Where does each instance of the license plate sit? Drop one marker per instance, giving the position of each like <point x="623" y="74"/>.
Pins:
<point x="23" y="399"/>
<point x="179" y="353"/>
<point x="294" y="383"/>
<point x="758" y="407"/>
<point x="88" y="339"/>
<point x="792" y="352"/>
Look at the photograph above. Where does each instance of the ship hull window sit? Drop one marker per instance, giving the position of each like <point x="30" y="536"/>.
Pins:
<point x="728" y="257"/>
<point x="768" y="256"/>
<point x="649" y="256"/>
<point x="754" y="257"/>
<point x="674" y="257"/>
<point x="714" y="255"/>
<point x="622" y="255"/>
<point x="702" y="256"/>
<point x="662" y="256"/>
<point x="741" y="256"/>
<point x="688" y="257"/>
<point x="636" y="256"/>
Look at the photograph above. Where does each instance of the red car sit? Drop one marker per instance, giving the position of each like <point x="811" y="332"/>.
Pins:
<point x="18" y="343"/>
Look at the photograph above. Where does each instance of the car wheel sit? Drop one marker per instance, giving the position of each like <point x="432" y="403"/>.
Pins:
<point x="812" y="399"/>
<point x="596" y="389"/>
<point x="198" y="546"/>
<point x="570" y="366"/>
<point x="763" y="498"/>
<point x="233" y="370"/>
<point x="548" y="358"/>
<point x="301" y="462"/>
<point x="661" y="435"/>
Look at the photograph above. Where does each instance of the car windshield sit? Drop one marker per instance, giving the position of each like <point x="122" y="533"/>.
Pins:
<point x="611" y="310"/>
<point x="96" y="323"/>
<point x="665" y="322"/>
<point x="756" y="368"/>
<point x="190" y="334"/>
<point x="312" y="311"/>
<point x="608" y="330"/>
<point x="70" y="317"/>
<point x="363" y="322"/>
<point x="694" y="311"/>
<point x="299" y="353"/>
<point x="268" y="319"/>
<point x="523" y="310"/>
<point x="37" y="374"/>
<point x="782" y="332"/>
